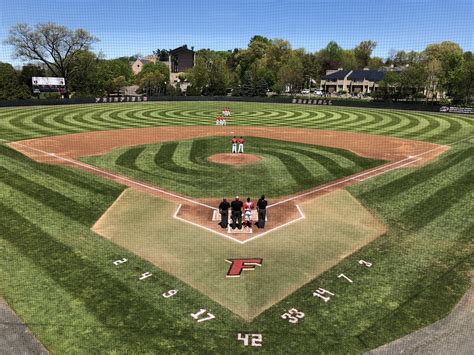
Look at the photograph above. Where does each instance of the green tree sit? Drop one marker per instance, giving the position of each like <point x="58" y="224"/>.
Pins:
<point x="363" y="51"/>
<point x="156" y="67"/>
<point x="389" y="87"/>
<point x="402" y="58"/>
<point x="463" y="82"/>
<point x="162" y="54"/>
<point x="261" y="87"/>
<point x="433" y="70"/>
<point x="210" y="74"/>
<point x="114" y="85"/>
<point x="375" y="63"/>
<point x="311" y="67"/>
<point x="54" y="45"/>
<point x="450" y="57"/>
<point x="86" y="81"/>
<point x="11" y="87"/>
<point x="110" y="69"/>
<point x="29" y="71"/>
<point x="290" y="75"/>
<point x="248" y="85"/>
<point x="152" y="83"/>
<point x="349" y="60"/>
<point x="330" y="57"/>
<point x="412" y="81"/>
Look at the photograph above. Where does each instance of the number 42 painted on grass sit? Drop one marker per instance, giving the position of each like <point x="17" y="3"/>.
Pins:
<point x="255" y="339"/>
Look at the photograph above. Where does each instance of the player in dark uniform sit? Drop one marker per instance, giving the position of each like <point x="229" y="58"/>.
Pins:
<point x="236" y="216"/>
<point x="224" y="211"/>
<point x="262" y="212"/>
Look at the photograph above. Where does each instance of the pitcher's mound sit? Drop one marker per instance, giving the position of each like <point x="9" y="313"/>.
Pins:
<point x="234" y="158"/>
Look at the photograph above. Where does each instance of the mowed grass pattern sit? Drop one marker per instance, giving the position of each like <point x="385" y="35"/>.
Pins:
<point x="183" y="167"/>
<point x="59" y="276"/>
<point x="22" y="123"/>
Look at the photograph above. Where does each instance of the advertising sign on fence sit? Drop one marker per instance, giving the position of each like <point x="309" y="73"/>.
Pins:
<point x="454" y="109"/>
<point x="121" y="99"/>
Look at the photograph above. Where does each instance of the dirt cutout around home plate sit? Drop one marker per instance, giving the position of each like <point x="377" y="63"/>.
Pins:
<point x="234" y="158"/>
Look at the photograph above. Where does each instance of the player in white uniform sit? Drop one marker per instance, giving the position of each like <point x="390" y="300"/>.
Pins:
<point x="248" y="219"/>
<point x="234" y="145"/>
<point x="241" y="145"/>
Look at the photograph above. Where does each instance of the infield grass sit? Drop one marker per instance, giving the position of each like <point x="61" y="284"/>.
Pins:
<point x="285" y="168"/>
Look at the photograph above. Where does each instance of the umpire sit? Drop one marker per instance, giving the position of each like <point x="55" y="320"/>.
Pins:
<point x="224" y="211"/>
<point x="262" y="211"/>
<point x="236" y="216"/>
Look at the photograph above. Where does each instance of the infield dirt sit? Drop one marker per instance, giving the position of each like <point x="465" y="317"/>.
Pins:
<point x="64" y="149"/>
<point x="102" y="142"/>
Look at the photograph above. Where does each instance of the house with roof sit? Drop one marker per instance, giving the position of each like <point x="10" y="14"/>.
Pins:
<point x="138" y="64"/>
<point x="179" y="60"/>
<point x="362" y="81"/>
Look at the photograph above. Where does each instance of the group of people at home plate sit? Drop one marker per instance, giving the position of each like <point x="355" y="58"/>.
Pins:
<point x="238" y="208"/>
<point x="222" y="120"/>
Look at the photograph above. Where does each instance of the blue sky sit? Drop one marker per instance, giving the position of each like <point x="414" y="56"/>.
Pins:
<point x="140" y="26"/>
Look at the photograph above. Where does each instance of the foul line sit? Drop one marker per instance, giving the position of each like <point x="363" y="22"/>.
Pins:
<point x="203" y="227"/>
<point x="386" y="171"/>
<point x="119" y="177"/>
<point x="302" y="216"/>
<point x="356" y="176"/>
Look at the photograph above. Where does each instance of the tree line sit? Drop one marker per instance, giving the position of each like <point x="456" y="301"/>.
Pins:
<point x="265" y="65"/>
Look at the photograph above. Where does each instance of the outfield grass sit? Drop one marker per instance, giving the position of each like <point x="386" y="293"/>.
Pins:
<point x="22" y="123"/>
<point x="285" y="168"/>
<point x="59" y="278"/>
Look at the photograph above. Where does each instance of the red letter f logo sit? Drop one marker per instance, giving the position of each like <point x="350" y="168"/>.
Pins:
<point x="237" y="265"/>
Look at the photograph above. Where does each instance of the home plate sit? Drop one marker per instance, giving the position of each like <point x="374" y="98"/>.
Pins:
<point x="216" y="216"/>
<point x="239" y="231"/>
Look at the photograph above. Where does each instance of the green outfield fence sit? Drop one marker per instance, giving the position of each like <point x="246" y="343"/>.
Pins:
<point x="414" y="106"/>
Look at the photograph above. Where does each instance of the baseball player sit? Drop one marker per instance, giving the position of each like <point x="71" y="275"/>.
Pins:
<point x="234" y="144"/>
<point x="241" y="145"/>
<point x="236" y="216"/>
<point x="247" y="219"/>
<point x="248" y="205"/>
<point x="262" y="212"/>
<point x="224" y="211"/>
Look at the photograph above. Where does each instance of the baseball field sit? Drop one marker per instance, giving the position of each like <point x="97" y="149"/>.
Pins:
<point x="109" y="240"/>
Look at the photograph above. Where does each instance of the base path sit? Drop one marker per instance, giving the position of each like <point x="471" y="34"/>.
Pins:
<point x="450" y="335"/>
<point x="102" y="142"/>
